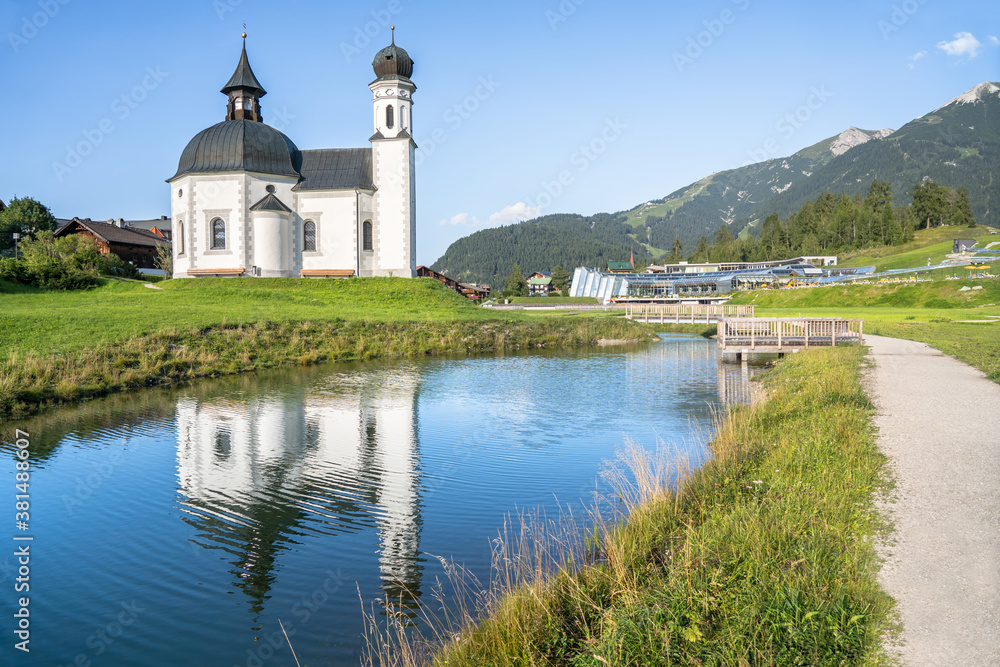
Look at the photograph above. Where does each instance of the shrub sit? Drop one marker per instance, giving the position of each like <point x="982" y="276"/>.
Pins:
<point x="116" y="267"/>
<point x="66" y="263"/>
<point x="165" y="261"/>
<point x="13" y="270"/>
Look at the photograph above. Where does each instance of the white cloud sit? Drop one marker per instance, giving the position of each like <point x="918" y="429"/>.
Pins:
<point x="994" y="41"/>
<point x="964" y="44"/>
<point x="914" y="58"/>
<point x="513" y="213"/>
<point x="461" y="219"/>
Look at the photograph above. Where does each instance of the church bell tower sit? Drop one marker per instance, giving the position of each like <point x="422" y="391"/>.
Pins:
<point x="394" y="232"/>
<point x="244" y="91"/>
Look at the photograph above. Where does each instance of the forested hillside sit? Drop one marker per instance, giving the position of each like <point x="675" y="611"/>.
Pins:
<point x="734" y="197"/>
<point x="836" y="224"/>
<point x="956" y="145"/>
<point x="540" y="245"/>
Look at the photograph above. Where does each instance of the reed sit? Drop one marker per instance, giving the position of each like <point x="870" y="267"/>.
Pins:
<point x="763" y="556"/>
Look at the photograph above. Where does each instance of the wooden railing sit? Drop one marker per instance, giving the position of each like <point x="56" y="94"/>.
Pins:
<point x="679" y="313"/>
<point x="777" y="334"/>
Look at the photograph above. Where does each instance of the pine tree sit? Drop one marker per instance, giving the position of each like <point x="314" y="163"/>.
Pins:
<point x="701" y="254"/>
<point x="879" y="195"/>
<point x="677" y="251"/>
<point x="516" y="285"/>
<point x="560" y="279"/>
<point x="961" y="209"/>
<point x="930" y="205"/>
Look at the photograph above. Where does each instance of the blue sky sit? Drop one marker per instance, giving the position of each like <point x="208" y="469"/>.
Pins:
<point x="522" y="107"/>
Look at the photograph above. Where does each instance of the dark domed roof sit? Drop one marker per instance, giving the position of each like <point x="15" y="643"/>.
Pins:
<point x="392" y="62"/>
<point x="240" y="145"/>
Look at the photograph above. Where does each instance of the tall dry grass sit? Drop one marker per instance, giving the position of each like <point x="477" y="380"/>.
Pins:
<point x="763" y="556"/>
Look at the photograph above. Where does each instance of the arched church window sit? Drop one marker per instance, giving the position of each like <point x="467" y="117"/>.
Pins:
<point x="367" y="235"/>
<point x="309" y="236"/>
<point x="388" y="117"/>
<point x="403" y="117"/>
<point x="218" y="234"/>
<point x="180" y="237"/>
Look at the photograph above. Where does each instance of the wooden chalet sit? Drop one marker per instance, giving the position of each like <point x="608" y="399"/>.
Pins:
<point x="468" y="290"/>
<point x="137" y="246"/>
<point x="539" y="285"/>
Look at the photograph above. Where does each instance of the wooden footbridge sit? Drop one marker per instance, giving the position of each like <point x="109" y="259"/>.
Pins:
<point x="663" y="313"/>
<point x="748" y="335"/>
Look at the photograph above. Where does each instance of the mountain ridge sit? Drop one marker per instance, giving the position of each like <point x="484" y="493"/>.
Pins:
<point x="956" y="144"/>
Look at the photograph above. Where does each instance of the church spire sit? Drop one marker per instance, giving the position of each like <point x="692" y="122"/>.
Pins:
<point x="244" y="91"/>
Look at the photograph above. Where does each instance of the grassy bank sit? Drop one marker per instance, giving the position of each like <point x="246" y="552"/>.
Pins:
<point x="65" y="346"/>
<point x="763" y="557"/>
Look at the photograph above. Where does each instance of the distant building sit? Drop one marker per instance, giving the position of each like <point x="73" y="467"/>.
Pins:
<point x="136" y="246"/>
<point x="620" y="267"/>
<point x="962" y="245"/>
<point x="704" y="282"/>
<point x="539" y="286"/>
<point x="161" y="225"/>
<point x="715" y="267"/>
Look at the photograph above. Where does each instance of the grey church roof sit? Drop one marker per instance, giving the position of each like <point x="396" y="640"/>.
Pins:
<point x="243" y="77"/>
<point x="240" y="145"/>
<point x="270" y="203"/>
<point x="337" y="169"/>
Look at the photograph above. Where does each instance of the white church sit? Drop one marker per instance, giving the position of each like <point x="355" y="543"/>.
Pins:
<point x="245" y="201"/>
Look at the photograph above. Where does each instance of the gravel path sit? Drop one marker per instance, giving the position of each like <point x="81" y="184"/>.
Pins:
<point x="939" y="424"/>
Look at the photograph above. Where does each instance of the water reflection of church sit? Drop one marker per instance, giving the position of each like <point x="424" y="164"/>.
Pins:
<point x="256" y="471"/>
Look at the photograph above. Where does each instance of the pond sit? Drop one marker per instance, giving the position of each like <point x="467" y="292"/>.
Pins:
<point x="177" y="527"/>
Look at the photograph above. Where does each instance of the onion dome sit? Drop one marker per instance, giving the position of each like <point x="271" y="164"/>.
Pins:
<point x="240" y="145"/>
<point x="393" y="62"/>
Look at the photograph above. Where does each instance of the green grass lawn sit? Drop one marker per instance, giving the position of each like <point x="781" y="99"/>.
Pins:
<point x="933" y="243"/>
<point x="931" y="312"/>
<point x="908" y="298"/>
<point x="34" y="320"/>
